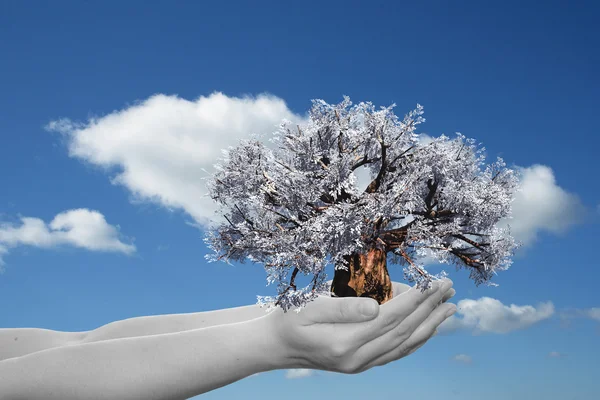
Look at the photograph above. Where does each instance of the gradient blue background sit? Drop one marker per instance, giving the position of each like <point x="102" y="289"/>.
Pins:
<point x="521" y="77"/>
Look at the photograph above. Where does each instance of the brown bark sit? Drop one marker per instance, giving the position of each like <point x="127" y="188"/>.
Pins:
<point x="367" y="276"/>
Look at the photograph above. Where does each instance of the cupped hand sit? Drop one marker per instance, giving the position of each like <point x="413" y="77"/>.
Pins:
<point x="353" y="334"/>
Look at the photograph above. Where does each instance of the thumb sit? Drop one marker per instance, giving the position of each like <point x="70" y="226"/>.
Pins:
<point x="346" y="310"/>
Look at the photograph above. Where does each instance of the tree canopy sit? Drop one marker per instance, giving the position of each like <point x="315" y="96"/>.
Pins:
<point x="298" y="206"/>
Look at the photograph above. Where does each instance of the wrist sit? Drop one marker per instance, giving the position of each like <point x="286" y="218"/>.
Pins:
<point x="281" y="353"/>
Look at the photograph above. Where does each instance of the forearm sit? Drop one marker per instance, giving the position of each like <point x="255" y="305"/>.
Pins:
<point x="159" y="324"/>
<point x="160" y="367"/>
<point x="17" y="342"/>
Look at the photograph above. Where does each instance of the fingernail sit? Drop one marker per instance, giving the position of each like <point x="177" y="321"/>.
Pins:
<point x="369" y="308"/>
<point x="451" y="311"/>
<point x="447" y="284"/>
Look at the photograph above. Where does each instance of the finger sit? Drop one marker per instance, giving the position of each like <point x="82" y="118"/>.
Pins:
<point x="395" y="311"/>
<point x="427" y="329"/>
<point x="448" y="295"/>
<point x="348" y="311"/>
<point x="410" y="299"/>
<point x="401" y="326"/>
<point x="401" y="308"/>
<point x="417" y="347"/>
<point x="419" y="337"/>
<point x="404" y="326"/>
<point x="331" y="310"/>
<point x="399" y="288"/>
<point x="414" y="320"/>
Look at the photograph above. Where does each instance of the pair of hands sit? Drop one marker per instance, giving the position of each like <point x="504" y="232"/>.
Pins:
<point x="353" y="334"/>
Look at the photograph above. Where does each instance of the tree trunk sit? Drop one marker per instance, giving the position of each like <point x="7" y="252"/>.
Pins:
<point x="367" y="276"/>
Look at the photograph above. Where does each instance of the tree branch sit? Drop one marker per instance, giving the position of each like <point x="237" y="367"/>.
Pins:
<point x="466" y="258"/>
<point x="286" y="219"/>
<point x="432" y="186"/>
<point x="292" y="285"/>
<point x="410" y="124"/>
<point x="364" y="161"/>
<point x="405" y="256"/>
<point x="327" y="198"/>
<point x="471" y="242"/>
<point x="317" y="208"/>
<point x="434" y="214"/>
<point x="395" y="238"/>
<point x="374" y="185"/>
<point x="400" y="155"/>
<point x="285" y="166"/>
<point x="339" y="139"/>
<point x="458" y="155"/>
<point x="324" y="161"/>
<point x="231" y="223"/>
<point x="475" y="234"/>
<point x="243" y="216"/>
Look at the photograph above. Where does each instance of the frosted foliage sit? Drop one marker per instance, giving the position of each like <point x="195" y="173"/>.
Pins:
<point x="298" y="207"/>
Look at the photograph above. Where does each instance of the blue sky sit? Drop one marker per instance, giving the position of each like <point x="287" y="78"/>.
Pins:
<point x="520" y="78"/>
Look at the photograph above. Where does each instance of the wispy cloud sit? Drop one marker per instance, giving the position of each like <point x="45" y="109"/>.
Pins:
<point x="556" y="354"/>
<point x="80" y="228"/>
<point x="569" y="314"/>
<point x="299" y="373"/>
<point x="592" y="313"/>
<point x="487" y="315"/>
<point x="462" y="358"/>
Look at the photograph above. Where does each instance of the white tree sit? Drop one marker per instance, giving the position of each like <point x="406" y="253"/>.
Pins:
<point x="298" y="207"/>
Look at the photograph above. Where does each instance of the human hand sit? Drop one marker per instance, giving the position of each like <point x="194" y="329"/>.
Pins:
<point x="398" y="288"/>
<point x="353" y="334"/>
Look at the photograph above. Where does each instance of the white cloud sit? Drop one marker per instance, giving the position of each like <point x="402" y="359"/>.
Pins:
<point x="81" y="228"/>
<point x="298" y="373"/>
<point x="487" y="315"/>
<point x="463" y="358"/>
<point x="425" y="139"/>
<point x="542" y="205"/>
<point x="162" y="146"/>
